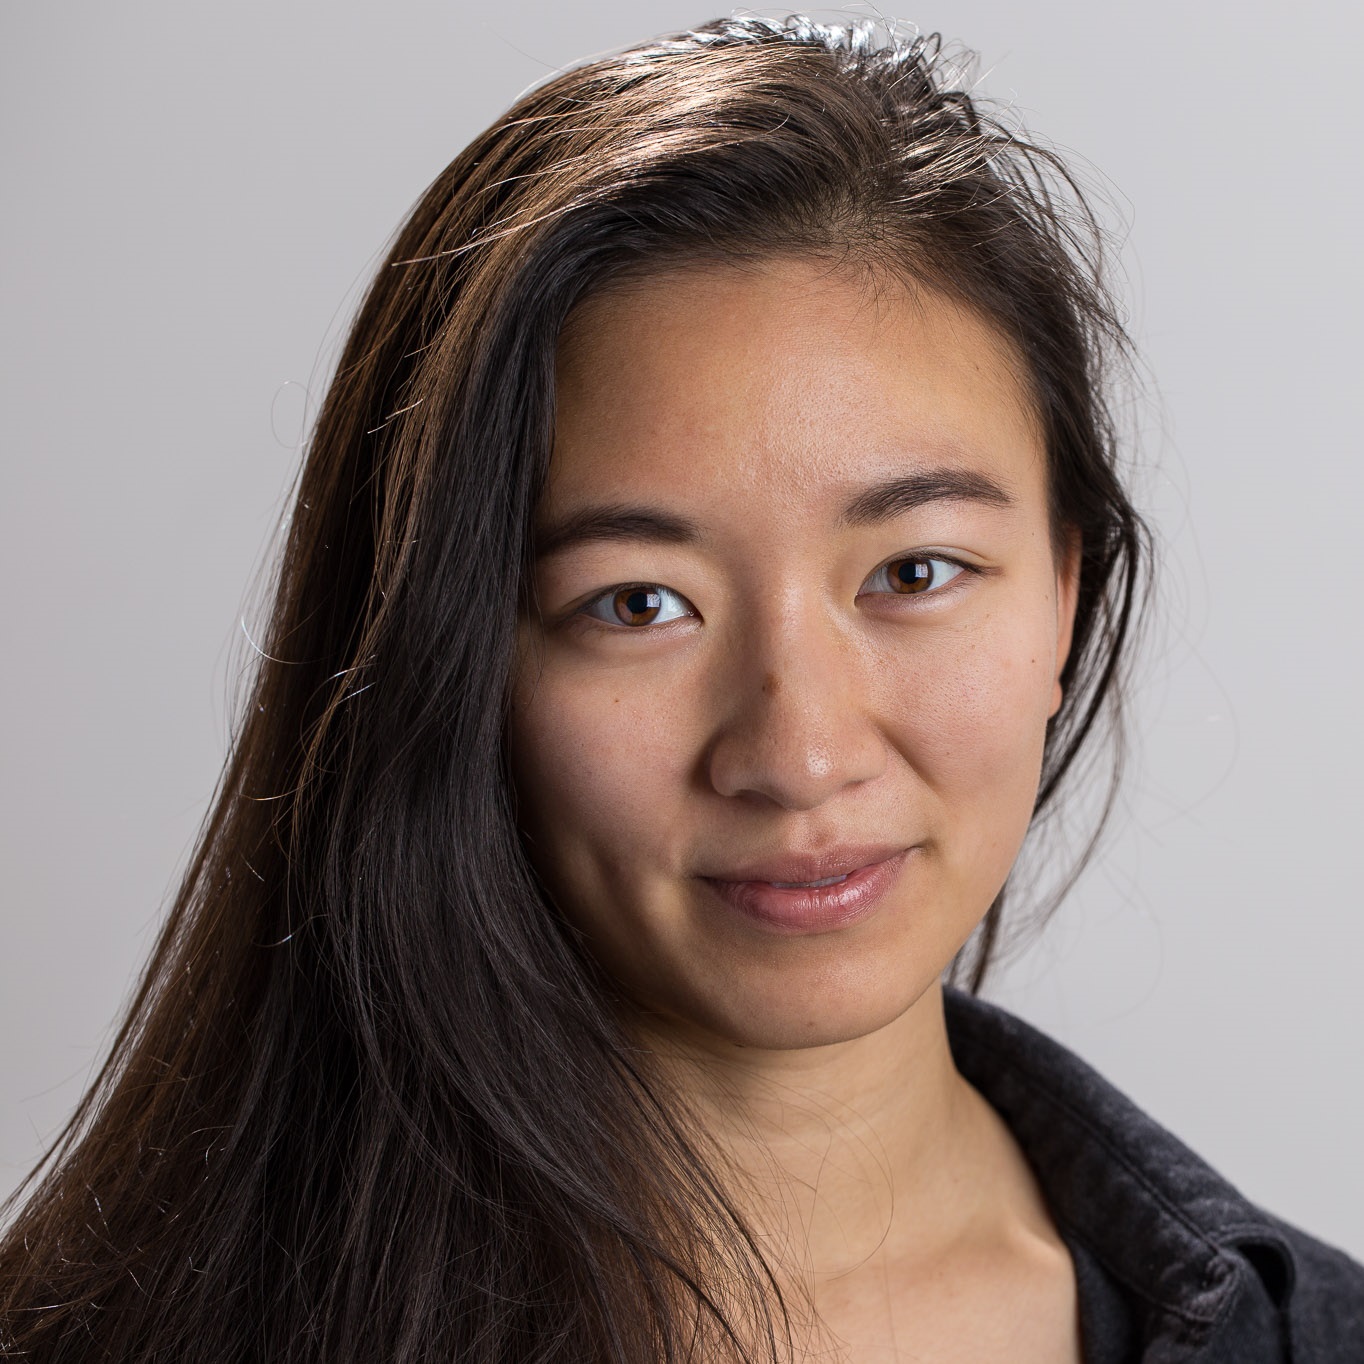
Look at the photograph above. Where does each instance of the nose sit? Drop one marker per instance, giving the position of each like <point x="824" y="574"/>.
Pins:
<point x="794" y="726"/>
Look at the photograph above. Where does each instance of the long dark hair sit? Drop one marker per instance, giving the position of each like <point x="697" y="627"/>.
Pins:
<point x="372" y="1099"/>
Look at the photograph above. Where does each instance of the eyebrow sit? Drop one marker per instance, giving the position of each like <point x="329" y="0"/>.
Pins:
<point x="595" y="524"/>
<point x="907" y="492"/>
<point x="880" y="502"/>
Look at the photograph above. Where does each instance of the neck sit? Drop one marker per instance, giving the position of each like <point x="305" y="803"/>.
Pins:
<point x="849" y="1152"/>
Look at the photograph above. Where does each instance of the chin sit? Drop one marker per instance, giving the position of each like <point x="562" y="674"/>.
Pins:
<point x="800" y="1010"/>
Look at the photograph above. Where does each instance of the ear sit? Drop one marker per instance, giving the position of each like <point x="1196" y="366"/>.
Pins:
<point x="1067" y="594"/>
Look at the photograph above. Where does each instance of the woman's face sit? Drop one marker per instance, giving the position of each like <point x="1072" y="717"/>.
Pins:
<point x="798" y="619"/>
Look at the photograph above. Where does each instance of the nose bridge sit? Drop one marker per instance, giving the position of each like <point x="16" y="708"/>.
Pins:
<point x="792" y="721"/>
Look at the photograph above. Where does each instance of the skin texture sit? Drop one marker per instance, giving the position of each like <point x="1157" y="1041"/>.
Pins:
<point x="784" y="698"/>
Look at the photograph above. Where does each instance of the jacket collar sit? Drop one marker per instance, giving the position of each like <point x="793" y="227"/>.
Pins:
<point x="1164" y="1224"/>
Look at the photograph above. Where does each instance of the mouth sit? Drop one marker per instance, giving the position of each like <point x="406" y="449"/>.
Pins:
<point x="818" y="904"/>
<point x="802" y="870"/>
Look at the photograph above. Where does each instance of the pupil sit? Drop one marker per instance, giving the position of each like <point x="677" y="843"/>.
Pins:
<point x="638" y="606"/>
<point x="913" y="573"/>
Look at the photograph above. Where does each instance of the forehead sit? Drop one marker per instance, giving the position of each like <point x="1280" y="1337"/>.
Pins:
<point x="794" y="382"/>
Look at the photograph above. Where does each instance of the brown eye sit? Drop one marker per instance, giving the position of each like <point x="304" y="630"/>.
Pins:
<point x="638" y="604"/>
<point x="915" y="575"/>
<point x="910" y="575"/>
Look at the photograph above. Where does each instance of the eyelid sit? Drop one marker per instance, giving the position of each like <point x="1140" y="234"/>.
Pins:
<point x="923" y="556"/>
<point x="582" y="614"/>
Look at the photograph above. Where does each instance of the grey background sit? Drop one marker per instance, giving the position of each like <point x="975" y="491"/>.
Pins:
<point x="193" y="196"/>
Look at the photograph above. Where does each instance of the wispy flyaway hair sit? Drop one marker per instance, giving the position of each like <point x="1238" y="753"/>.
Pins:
<point x="372" y="1100"/>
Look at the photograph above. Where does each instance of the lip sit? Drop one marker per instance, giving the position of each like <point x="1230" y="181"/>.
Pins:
<point x="870" y="873"/>
<point x="794" y="866"/>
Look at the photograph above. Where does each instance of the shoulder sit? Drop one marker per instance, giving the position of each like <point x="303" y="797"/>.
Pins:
<point x="1189" y="1251"/>
<point x="1323" y="1298"/>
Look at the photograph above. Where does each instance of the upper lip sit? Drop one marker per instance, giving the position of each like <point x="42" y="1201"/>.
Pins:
<point x="797" y="867"/>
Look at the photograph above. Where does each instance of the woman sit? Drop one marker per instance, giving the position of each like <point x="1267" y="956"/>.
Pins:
<point x="709" y="562"/>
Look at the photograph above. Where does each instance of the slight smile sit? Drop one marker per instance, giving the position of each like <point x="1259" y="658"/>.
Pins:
<point x="801" y="895"/>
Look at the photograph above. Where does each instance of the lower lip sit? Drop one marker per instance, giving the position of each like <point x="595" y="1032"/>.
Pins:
<point x="812" y="909"/>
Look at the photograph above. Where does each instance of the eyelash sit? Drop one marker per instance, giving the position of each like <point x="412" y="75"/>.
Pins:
<point x="581" y="615"/>
<point x="924" y="559"/>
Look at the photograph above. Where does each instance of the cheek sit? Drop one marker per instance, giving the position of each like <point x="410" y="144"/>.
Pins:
<point x="971" y="723"/>
<point x="597" y="773"/>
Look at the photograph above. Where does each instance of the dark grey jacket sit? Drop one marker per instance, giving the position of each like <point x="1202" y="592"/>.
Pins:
<point x="1173" y="1265"/>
